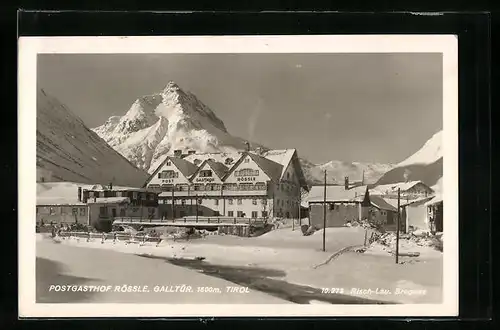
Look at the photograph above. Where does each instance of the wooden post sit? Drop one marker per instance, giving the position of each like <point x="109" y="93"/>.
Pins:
<point x="397" y="226"/>
<point x="324" y="214"/>
<point x="173" y="207"/>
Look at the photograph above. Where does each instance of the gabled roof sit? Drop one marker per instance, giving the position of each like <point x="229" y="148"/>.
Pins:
<point x="273" y="170"/>
<point x="381" y="204"/>
<point x="186" y="168"/>
<point x="219" y="168"/>
<point x="393" y="187"/>
<point x="336" y="193"/>
<point x="435" y="200"/>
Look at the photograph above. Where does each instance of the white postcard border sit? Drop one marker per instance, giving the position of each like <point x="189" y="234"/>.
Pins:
<point x="29" y="47"/>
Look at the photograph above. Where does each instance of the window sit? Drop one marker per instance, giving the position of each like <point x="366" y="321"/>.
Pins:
<point x="254" y="201"/>
<point x="169" y="163"/>
<point x="332" y="207"/>
<point x="230" y="213"/>
<point x="216" y="201"/>
<point x="287" y="203"/>
<point x="63" y="210"/>
<point x="167" y="187"/>
<point x="264" y="201"/>
<point x="216" y="213"/>
<point x="205" y="173"/>
<point x="246" y="172"/>
<point x="134" y="195"/>
<point x="198" y="187"/>
<point x="196" y="162"/>
<point x="183" y="201"/>
<point x="200" y="200"/>
<point x="254" y="214"/>
<point x="240" y="201"/>
<point x="278" y="202"/>
<point x="182" y="214"/>
<point x="240" y="214"/>
<point x="260" y="186"/>
<point x="228" y="161"/>
<point x="245" y="187"/>
<point x="74" y="211"/>
<point x="122" y="212"/>
<point x="82" y="211"/>
<point x="102" y="210"/>
<point x="151" y="211"/>
<point x="247" y="160"/>
<point x="288" y="175"/>
<point x="182" y="187"/>
<point x="230" y="201"/>
<point x="168" y="174"/>
<point x="264" y="214"/>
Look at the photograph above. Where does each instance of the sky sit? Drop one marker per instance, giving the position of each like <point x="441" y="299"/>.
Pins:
<point x="352" y="107"/>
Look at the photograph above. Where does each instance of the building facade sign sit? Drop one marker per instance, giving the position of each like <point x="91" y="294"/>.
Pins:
<point x="204" y="179"/>
<point x="246" y="178"/>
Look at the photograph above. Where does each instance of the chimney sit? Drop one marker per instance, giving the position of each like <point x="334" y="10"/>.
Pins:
<point x="258" y="150"/>
<point x="177" y="153"/>
<point x="191" y="152"/>
<point x="248" y="145"/>
<point x="79" y="194"/>
<point x="111" y="186"/>
<point x="85" y="195"/>
<point x="363" y="178"/>
<point x="346" y="183"/>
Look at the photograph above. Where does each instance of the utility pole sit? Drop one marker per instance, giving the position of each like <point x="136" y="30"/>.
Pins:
<point x="397" y="226"/>
<point x="324" y="215"/>
<point x="300" y="206"/>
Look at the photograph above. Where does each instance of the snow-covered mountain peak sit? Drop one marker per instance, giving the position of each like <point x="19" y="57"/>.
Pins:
<point x="157" y="124"/>
<point x="429" y="153"/>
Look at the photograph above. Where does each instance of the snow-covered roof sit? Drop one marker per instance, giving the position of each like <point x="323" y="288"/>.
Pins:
<point x="381" y="203"/>
<point x="437" y="199"/>
<point x="59" y="193"/>
<point x="270" y="160"/>
<point x="100" y="187"/>
<point x="336" y="194"/>
<point x="392" y="187"/>
<point x="219" y="168"/>
<point x="109" y="200"/>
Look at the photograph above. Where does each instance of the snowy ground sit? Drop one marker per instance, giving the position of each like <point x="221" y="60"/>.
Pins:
<point x="299" y="257"/>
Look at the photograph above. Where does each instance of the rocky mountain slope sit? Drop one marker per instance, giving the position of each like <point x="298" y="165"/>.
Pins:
<point x="69" y="151"/>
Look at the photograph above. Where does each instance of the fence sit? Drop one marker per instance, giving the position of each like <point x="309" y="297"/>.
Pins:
<point x="107" y="236"/>
<point x="202" y="220"/>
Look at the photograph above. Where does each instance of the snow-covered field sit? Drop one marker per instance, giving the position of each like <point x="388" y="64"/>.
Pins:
<point x="300" y="259"/>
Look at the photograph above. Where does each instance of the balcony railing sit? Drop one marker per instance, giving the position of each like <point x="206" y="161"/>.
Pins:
<point x="213" y="193"/>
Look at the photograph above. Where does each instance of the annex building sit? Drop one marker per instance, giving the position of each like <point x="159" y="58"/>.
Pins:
<point x="247" y="184"/>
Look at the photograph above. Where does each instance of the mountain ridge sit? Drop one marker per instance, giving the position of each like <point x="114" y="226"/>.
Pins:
<point x="70" y="151"/>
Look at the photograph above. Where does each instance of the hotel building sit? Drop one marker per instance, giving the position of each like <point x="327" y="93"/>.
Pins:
<point x="250" y="184"/>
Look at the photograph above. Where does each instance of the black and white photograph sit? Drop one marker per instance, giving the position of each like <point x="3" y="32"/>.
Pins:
<point x="253" y="176"/>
